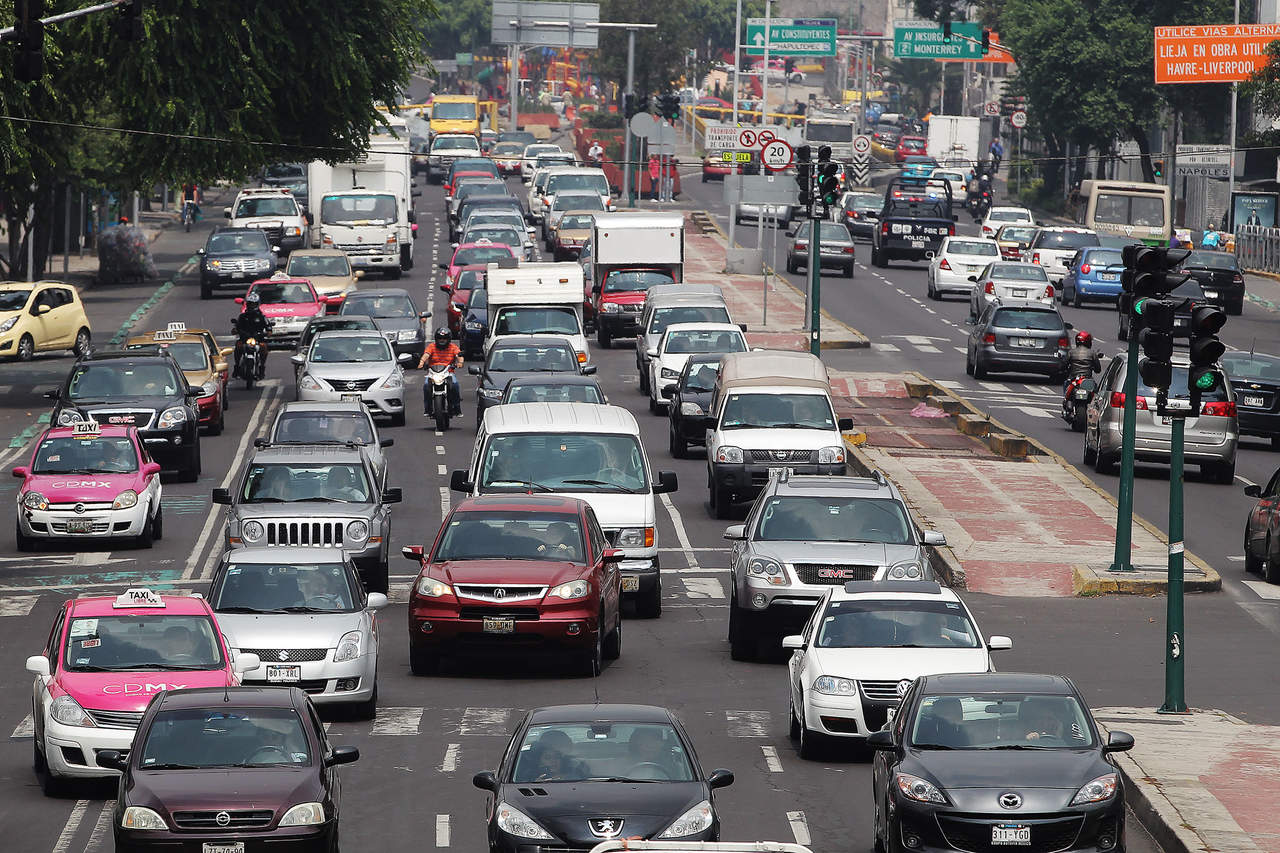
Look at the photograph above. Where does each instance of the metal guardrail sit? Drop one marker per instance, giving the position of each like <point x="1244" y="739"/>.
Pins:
<point x="1258" y="248"/>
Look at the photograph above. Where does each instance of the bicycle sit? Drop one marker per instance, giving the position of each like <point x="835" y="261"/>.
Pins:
<point x="189" y="214"/>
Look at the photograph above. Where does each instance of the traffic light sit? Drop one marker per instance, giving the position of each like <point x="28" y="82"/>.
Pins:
<point x="628" y="105"/>
<point x="1156" y="339"/>
<point x="669" y="106"/>
<point x="804" y="178"/>
<point x="130" y="22"/>
<point x="946" y="31"/>
<point x="642" y="103"/>
<point x="1204" y="351"/>
<point x="828" y="181"/>
<point x="30" y="32"/>
<point x="986" y="42"/>
<point x="1149" y="272"/>
<point x="1157" y="166"/>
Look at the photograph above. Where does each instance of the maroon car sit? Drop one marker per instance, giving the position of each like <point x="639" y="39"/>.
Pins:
<point x="517" y="572"/>
<point x="238" y="768"/>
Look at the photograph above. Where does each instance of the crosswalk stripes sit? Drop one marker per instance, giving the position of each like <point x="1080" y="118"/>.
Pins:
<point x="397" y="722"/>
<point x="17" y="605"/>
<point x="1264" y="590"/>
<point x="703" y="588"/>
<point x="24" y="729"/>
<point x="184" y="504"/>
<point x="880" y="347"/>
<point x="492" y="722"/>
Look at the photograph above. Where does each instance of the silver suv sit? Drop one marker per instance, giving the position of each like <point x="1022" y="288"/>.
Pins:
<point x="317" y="496"/>
<point x="808" y="532"/>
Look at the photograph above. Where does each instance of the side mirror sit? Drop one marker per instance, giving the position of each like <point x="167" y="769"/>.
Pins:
<point x="453" y="245"/>
<point x="386" y="442"/>
<point x="226" y="211"/>
<point x="342" y="755"/>
<point x="485" y="781"/>
<point x="194" y="391"/>
<point x="458" y="481"/>
<point x="1068" y="326"/>
<point x="589" y="370"/>
<point x="998" y="643"/>
<point x="880" y="740"/>
<point x="443" y="266"/>
<point x="1116" y="742"/>
<point x="743" y="327"/>
<point x="112" y="760"/>
<point x="376" y="601"/>
<point x="844" y="424"/>
<point x="404" y="358"/>
<point x="789" y="233"/>
<point x="668" y="392"/>
<point x="260" y="443"/>
<point x="612" y="555"/>
<point x="794" y="643"/>
<point x="424" y="315"/>
<point x="651" y="352"/>
<point x="23" y="471"/>
<point x="720" y="778"/>
<point x="392" y="495"/>
<point x="474" y="369"/>
<point x="222" y="496"/>
<point x="53" y="394"/>
<point x="200" y="251"/>
<point x="412" y="552"/>
<point x="151" y="469"/>
<point x="239" y="300"/>
<point x="220" y="367"/>
<point x="666" y="482"/>
<point x="38" y="665"/>
<point x="298" y="359"/>
<point x="247" y="662"/>
<point x="735" y="531"/>
<point x="934" y="538"/>
<point x="1252" y="490"/>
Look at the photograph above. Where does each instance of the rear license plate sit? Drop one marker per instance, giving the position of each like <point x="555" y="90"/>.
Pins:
<point x="1029" y="343"/>
<point x="1080" y="394"/>
<point x="277" y="673"/>
<point x="630" y="583"/>
<point x="971" y="269"/>
<point x="1019" y="293"/>
<point x="1166" y="421"/>
<point x="80" y="525"/>
<point x="226" y="847"/>
<point x="490" y="625"/>
<point x="351" y="398"/>
<point x="1255" y="402"/>
<point x="1011" y="833"/>
<point x="917" y="244"/>
<point x="1108" y="276"/>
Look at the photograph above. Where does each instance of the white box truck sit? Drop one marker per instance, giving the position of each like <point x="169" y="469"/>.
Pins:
<point x="536" y="299"/>
<point x="630" y="252"/>
<point x="954" y="140"/>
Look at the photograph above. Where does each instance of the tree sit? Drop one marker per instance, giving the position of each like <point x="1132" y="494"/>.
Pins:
<point x="462" y="27"/>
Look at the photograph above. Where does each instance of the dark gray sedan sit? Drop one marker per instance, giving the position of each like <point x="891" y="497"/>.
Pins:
<point x="1018" y="337"/>
<point x="836" y="247"/>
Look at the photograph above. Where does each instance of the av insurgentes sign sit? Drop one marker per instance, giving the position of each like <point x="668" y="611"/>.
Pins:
<point x="1217" y="53"/>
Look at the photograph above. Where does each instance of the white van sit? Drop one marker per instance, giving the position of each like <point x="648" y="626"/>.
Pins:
<point x="581" y="450"/>
<point x="771" y="409"/>
<point x="537" y="299"/>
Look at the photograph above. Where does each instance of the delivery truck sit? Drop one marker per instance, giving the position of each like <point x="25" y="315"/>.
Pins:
<point x="536" y="299"/>
<point x="955" y="140"/>
<point x="630" y="252"/>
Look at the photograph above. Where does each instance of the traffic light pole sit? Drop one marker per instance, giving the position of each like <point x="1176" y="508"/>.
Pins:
<point x="1175" y="701"/>
<point x="1122" y="559"/>
<point x="629" y="93"/>
<point x="815" y="285"/>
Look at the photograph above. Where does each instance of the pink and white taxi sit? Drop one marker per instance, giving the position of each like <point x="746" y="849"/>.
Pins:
<point x="289" y="303"/>
<point x="89" y="481"/>
<point x="104" y="660"/>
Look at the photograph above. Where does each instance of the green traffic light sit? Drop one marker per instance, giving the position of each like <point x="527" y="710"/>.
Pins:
<point x="1206" y="381"/>
<point x="1139" y="305"/>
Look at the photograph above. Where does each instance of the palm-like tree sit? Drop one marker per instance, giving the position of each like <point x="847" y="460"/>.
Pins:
<point x="917" y="78"/>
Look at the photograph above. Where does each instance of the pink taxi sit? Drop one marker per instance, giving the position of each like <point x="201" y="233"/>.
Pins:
<point x="289" y="303"/>
<point x="104" y="660"/>
<point x="86" y="481"/>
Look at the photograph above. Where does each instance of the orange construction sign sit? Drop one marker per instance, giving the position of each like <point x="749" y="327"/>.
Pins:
<point x="998" y="52"/>
<point x="1216" y="53"/>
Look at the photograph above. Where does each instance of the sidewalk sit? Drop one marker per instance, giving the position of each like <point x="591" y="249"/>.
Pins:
<point x="1204" y="782"/>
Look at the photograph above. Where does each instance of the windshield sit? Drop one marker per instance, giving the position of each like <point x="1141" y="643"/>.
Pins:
<point x="453" y="110"/>
<point x="91" y="455"/>
<point x="13" y="300"/>
<point x="631" y="281"/>
<point x="704" y="341"/>
<point x="595" y="182"/>
<point x="564" y="462"/>
<point x="1213" y="260"/>
<point x="834" y="519"/>
<point x="358" y="210"/>
<point x="1178" y="387"/>
<point x="575" y="222"/>
<point x="264" y="587"/>
<point x="455" y="143"/>
<point x="141" y="642"/>
<point x="607" y="752"/>
<point x="530" y="359"/>
<point x="287" y="293"/>
<point x="1018" y="272"/>
<point x="503" y="234"/>
<point x="1065" y="240"/>
<point x="663" y="317"/>
<point x="508" y="149"/>
<point x="863" y="203"/>
<point x="1001" y="721"/>
<point x="815" y="132"/>
<point x="781" y="411"/>
<point x="896" y="625"/>
<point x="465" y="257"/>
<point x="1144" y="210"/>
<point x="468" y="280"/>
<point x="831" y="232"/>
<point x="476" y="185"/>
<point x="245" y="241"/>
<point x="1012" y="234"/>
<point x="285" y="482"/>
<point x="554" y="536"/>
<point x="105" y="381"/>
<point x="1010" y="216"/>
<point x="354" y="323"/>
<point x="269" y="206"/>
<point x="1027" y="318"/>
<point x="305" y="266"/>
<point x="225" y="736"/>
<point x="537" y="321"/>
<point x="1105" y="257"/>
<point x="479" y="297"/>
<point x="394" y="305"/>
<point x="577" y="201"/>
<point x="542" y="392"/>
<point x="190" y="355"/>
<point x="323" y="428"/>
<point x="972" y="247"/>
<point x="328" y="349"/>
<point x="701" y="377"/>
<point x="495" y="217"/>
<point x="1242" y="366"/>
<point x="531" y="152"/>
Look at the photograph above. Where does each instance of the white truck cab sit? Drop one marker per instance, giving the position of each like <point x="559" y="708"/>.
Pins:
<point x="537" y="299"/>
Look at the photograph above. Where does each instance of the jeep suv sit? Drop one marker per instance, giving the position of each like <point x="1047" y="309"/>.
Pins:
<point x="806" y="533"/>
<point x="313" y="496"/>
<point x="275" y="211"/>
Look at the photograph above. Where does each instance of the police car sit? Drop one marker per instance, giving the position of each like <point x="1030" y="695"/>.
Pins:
<point x="87" y="480"/>
<point x="104" y="660"/>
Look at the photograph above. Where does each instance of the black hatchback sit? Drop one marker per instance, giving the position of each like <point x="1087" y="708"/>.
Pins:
<point x="996" y="761"/>
<point x="1220" y="276"/>
<point x="576" y="775"/>
<point x="690" y="401"/>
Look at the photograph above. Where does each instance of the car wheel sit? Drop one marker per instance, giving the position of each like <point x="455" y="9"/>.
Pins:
<point x="24" y="542"/>
<point x="613" y="642"/>
<point x="644" y="379"/>
<point x="720" y="502"/>
<point x="1236" y="306"/>
<point x="678" y="446"/>
<point x="398" y="419"/>
<point x="811" y="742"/>
<point x="592" y="660"/>
<point x="1104" y="463"/>
<point x="190" y="473"/>
<point x="979" y="372"/>
<point x="603" y="337"/>
<point x="1270" y="567"/>
<point x="51" y="784"/>
<point x="932" y="291"/>
<point x="157" y="524"/>
<point x="968" y="364"/>
<point x="742" y="639"/>
<point x="1090" y="455"/>
<point x="1223" y="473"/>
<point x="422" y="661"/>
<point x="378" y="578"/>
<point x="1252" y="565"/>
<point x="81" y="346"/>
<point x="391" y="273"/>
<point x="654" y="408"/>
<point x="848" y="273"/>
<point x="368" y="709"/>
<point x="147" y="537"/>
<point x="793" y="731"/>
<point x="206" y="291"/>
<point x="26" y="348"/>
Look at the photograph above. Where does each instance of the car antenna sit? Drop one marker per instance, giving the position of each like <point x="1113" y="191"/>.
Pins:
<point x="1252" y="345"/>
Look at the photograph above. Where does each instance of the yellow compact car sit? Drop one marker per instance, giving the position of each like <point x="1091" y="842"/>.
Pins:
<point x="328" y="270"/>
<point x="39" y="317"/>
<point x="202" y="363"/>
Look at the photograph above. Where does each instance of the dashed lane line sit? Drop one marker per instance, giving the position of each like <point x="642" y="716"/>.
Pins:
<point x="682" y="536"/>
<point x="70" y="828"/>
<point x="771" y="759"/>
<point x="450" y="762"/>
<point x="799" y="827"/>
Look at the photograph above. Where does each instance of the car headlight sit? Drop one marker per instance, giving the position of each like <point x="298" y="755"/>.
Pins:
<point x="213" y="264"/>
<point x="695" y="820"/>
<point x="67" y="711"/>
<point x="303" y="814"/>
<point x="35" y="500"/>
<point x="491" y="393"/>
<point x="830" y="455"/>
<point x="309" y="383"/>
<point x="635" y="537"/>
<point x="395" y="380"/>
<point x="124" y="500"/>
<point x="293" y="231"/>
<point x="432" y="588"/>
<point x="1102" y="788"/>
<point x="915" y="788"/>
<point x="908" y="569"/>
<point x="139" y="817"/>
<point x="690" y="409"/>
<point x="391" y="239"/>
<point x="610" y="308"/>
<point x="251" y="531"/>
<point x="831" y="685"/>
<point x="357" y="530"/>
<point x="474" y="325"/>
<point x="570" y="591"/>
<point x="9" y="324"/>
<point x="348" y="647"/>
<point x="729" y="454"/>
<point x="515" y="822"/>
<point x="770" y="571"/>
<point x="668" y="373"/>
<point x="172" y="417"/>
<point x="67" y="417"/>
<point x="262" y="264"/>
<point x="209" y="388"/>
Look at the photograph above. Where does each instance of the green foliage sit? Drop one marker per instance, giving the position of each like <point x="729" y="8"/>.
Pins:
<point x="462" y="26"/>
<point x="1264" y="85"/>
<point x="604" y="121"/>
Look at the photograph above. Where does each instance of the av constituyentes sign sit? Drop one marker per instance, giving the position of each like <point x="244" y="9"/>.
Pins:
<point x="1215" y="53"/>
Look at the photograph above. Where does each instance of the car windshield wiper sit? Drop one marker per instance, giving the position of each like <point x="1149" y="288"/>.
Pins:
<point x="319" y="499"/>
<point x="240" y="608"/>
<point x="136" y="667"/>
<point x="1018" y="746"/>
<point x="267" y="500"/>
<point x="174" y="766"/>
<point x="620" y="779"/>
<point x="94" y="668"/>
<point x="529" y="484"/>
<point x="932" y="746"/>
<point x="589" y="482"/>
<point x="302" y="608"/>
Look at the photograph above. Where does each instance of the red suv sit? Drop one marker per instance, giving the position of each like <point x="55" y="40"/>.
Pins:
<point x="517" y="572"/>
<point x="909" y="146"/>
<point x="619" y="299"/>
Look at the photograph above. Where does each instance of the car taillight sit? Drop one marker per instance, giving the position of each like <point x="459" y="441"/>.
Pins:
<point x="802" y="244"/>
<point x="989" y="287"/>
<point x="884" y="228"/>
<point x="1084" y="268"/>
<point x="1219" y="409"/>
<point x="1048" y="291"/>
<point x="1117" y="401"/>
<point x="1062" y="343"/>
<point x="951" y="231"/>
<point x="944" y="265"/>
<point x="851" y="214"/>
<point x="848" y="250"/>
<point x="1035" y="258"/>
<point x="988" y="338"/>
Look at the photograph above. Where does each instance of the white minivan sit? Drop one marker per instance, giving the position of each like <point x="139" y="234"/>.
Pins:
<point x="579" y="450"/>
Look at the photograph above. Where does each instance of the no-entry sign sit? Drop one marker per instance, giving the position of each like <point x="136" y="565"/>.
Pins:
<point x="1219" y="53"/>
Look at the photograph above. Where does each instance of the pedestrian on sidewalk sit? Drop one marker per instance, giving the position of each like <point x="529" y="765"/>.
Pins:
<point x="997" y="154"/>
<point x="655" y="172"/>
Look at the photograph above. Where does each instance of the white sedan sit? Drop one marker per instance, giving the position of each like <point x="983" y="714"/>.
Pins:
<point x="864" y="645"/>
<point x="959" y="259"/>
<point x="998" y="216"/>
<point x="678" y="342"/>
<point x="954" y="177"/>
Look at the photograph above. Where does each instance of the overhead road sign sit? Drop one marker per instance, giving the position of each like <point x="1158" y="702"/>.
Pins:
<point x="1207" y="161"/>
<point x="1220" y="53"/>
<point x="924" y="40"/>
<point x="792" y="36"/>
<point x="545" y="24"/>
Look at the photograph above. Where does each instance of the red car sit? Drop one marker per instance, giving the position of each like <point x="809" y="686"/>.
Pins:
<point x="517" y="571"/>
<point x="479" y="253"/>
<point x="617" y="303"/>
<point x="909" y="146"/>
<point x="459" y="292"/>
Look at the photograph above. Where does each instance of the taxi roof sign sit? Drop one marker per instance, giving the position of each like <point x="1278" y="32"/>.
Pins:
<point x="177" y="326"/>
<point x="138" y="597"/>
<point x="86" y="428"/>
<point x="165" y="335"/>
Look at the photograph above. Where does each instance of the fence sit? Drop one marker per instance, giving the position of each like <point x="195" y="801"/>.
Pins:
<point x="1258" y="248"/>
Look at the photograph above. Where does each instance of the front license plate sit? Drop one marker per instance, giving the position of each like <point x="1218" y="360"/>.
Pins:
<point x="776" y="472"/>
<point x="351" y="398"/>
<point x="630" y="583"/>
<point x="498" y="626"/>
<point x="1011" y="833"/>
<point x="1255" y="402"/>
<point x="223" y="847"/>
<point x="278" y="674"/>
<point x="1029" y="343"/>
<point x="1108" y="276"/>
<point x="358" y="262"/>
<point x="80" y="525"/>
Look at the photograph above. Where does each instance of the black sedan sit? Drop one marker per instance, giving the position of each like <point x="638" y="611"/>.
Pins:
<point x="859" y="212"/>
<point x="991" y="761"/>
<point x="576" y="775"/>
<point x="518" y="356"/>
<point x="395" y="315"/>
<point x="557" y="388"/>
<point x="228" y="768"/>
<point x="1220" y="275"/>
<point x="1256" y="380"/>
<point x="690" y="399"/>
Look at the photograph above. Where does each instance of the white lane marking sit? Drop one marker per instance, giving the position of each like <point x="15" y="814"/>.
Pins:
<point x="1245" y="481"/>
<point x="484" y="721"/>
<point x="927" y="348"/>
<point x="886" y="347"/>
<point x="771" y="759"/>
<point x="961" y="350"/>
<point x="748" y="723"/>
<point x="438" y="433"/>
<point x="442" y="830"/>
<point x="69" y="829"/>
<point x="930" y="311"/>
<point x="397" y="721"/>
<point x="799" y="827"/>
<point x="1269" y="591"/>
<point x="1236" y="558"/>
<point x="439" y="450"/>
<point x="26" y="728"/>
<point x="994" y="386"/>
<point x="5" y="389"/>
<point x="949" y="383"/>
<point x="256" y="422"/>
<point x="100" y="827"/>
<point x="17" y="605"/>
<point x="444" y="501"/>
<point x="1031" y="411"/>
<point x="441" y="470"/>
<point x="681" y="535"/>
<point x="398" y="593"/>
<point x="450" y="762"/>
<point x="703" y="588"/>
<point x="695" y="550"/>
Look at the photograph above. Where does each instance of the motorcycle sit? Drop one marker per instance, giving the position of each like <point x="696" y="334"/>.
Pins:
<point x="436" y="387"/>
<point x="1075" y="400"/>
<point x="249" y="366"/>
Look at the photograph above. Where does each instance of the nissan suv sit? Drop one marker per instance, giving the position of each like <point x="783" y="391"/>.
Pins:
<point x="806" y="533"/>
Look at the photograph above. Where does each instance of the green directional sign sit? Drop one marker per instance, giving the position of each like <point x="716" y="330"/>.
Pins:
<point x="792" y="37"/>
<point x="924" y="40"/>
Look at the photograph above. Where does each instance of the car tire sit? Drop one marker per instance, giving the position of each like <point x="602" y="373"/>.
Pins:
<point x="157" y="524"/>
<point x="933" y="291"/>
<point x="1252" y="565"/>
<point x="26" y="348"/>
<point x="848" y="272"/>
<point x="1104" y="463"/>
<point x="1090" y="455"/>
<point x="368" y="709"/>
<point x="654" y="408"/>
<point x="613" y="641"/>
<point x="968" y="364"/>
<point x="650" y="607"/>
<point x="1236" y="307"/>
<point x="979" y="372"/>
<point x="721" y="505"/>
<point x="23" y="541"/>
<point x="793" y="730"/>
<point x="423" y="661"/>
<point x="603" y="338"/>
<point x="51" y="785"/>
<point x="190" y="472"/>
<point x="811" y="742"/>
<point x="1222" y="473"/>
<point x="743" y="644"/>
<point x="591" y="661"/>
<point x="378" y="578"/>
<point x="1270" y="568"/>
<point x="147" y="538"/>
<point x="398" y="419"/>
<point x="83" y="341"/>
<point x="678" y="446"/>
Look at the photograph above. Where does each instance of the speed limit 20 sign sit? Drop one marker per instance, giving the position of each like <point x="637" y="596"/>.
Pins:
<point x="776" y="155"/>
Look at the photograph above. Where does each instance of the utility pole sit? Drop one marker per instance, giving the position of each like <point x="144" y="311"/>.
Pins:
<point x="1175" y="701"/>
<point x="513" y="84"/>
<point x="1231" y="175"/>
<point x="628" y="95"/>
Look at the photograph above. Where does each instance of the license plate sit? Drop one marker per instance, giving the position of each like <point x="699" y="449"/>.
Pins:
<point x="351" y="398"/>
<point x="971" y="269"/>
<point x="278" y="673"/>
<point x="1029" y="343"/>
<point x="1019" y="294"/>
<point x="917" y="244"/>
<point x="491" y="625"/>
<point x="630" y="583"/>
<point x="776" y="472"/>
<point x="1108" y="276"/>
<point x="358" y="262"/>
<point x="1211" y="294"/>
<point x="80" y="525"/>
<point x="1081" y="394"/>
<point x="1165" y="421"/>
<point x="1256" y="402"/>
<point x="223" y="847"/>
<point x="1011" y="833"/>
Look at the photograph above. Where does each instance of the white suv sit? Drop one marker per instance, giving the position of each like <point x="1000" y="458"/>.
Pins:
<point x="273" y="209"/>
<point x="1053" y="249"/>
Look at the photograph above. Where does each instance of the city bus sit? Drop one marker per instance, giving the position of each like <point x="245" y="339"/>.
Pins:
<point x="1142" y="212"/>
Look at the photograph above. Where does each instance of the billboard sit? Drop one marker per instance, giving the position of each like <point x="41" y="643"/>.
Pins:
<point x="1253" y="209"/>
<point x="1216" y="53"/>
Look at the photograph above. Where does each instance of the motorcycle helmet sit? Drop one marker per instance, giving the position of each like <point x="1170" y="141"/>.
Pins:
<point x="253" y="298"/>
<point x="1084" y="339"/>
<point x="442" y="336"/>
